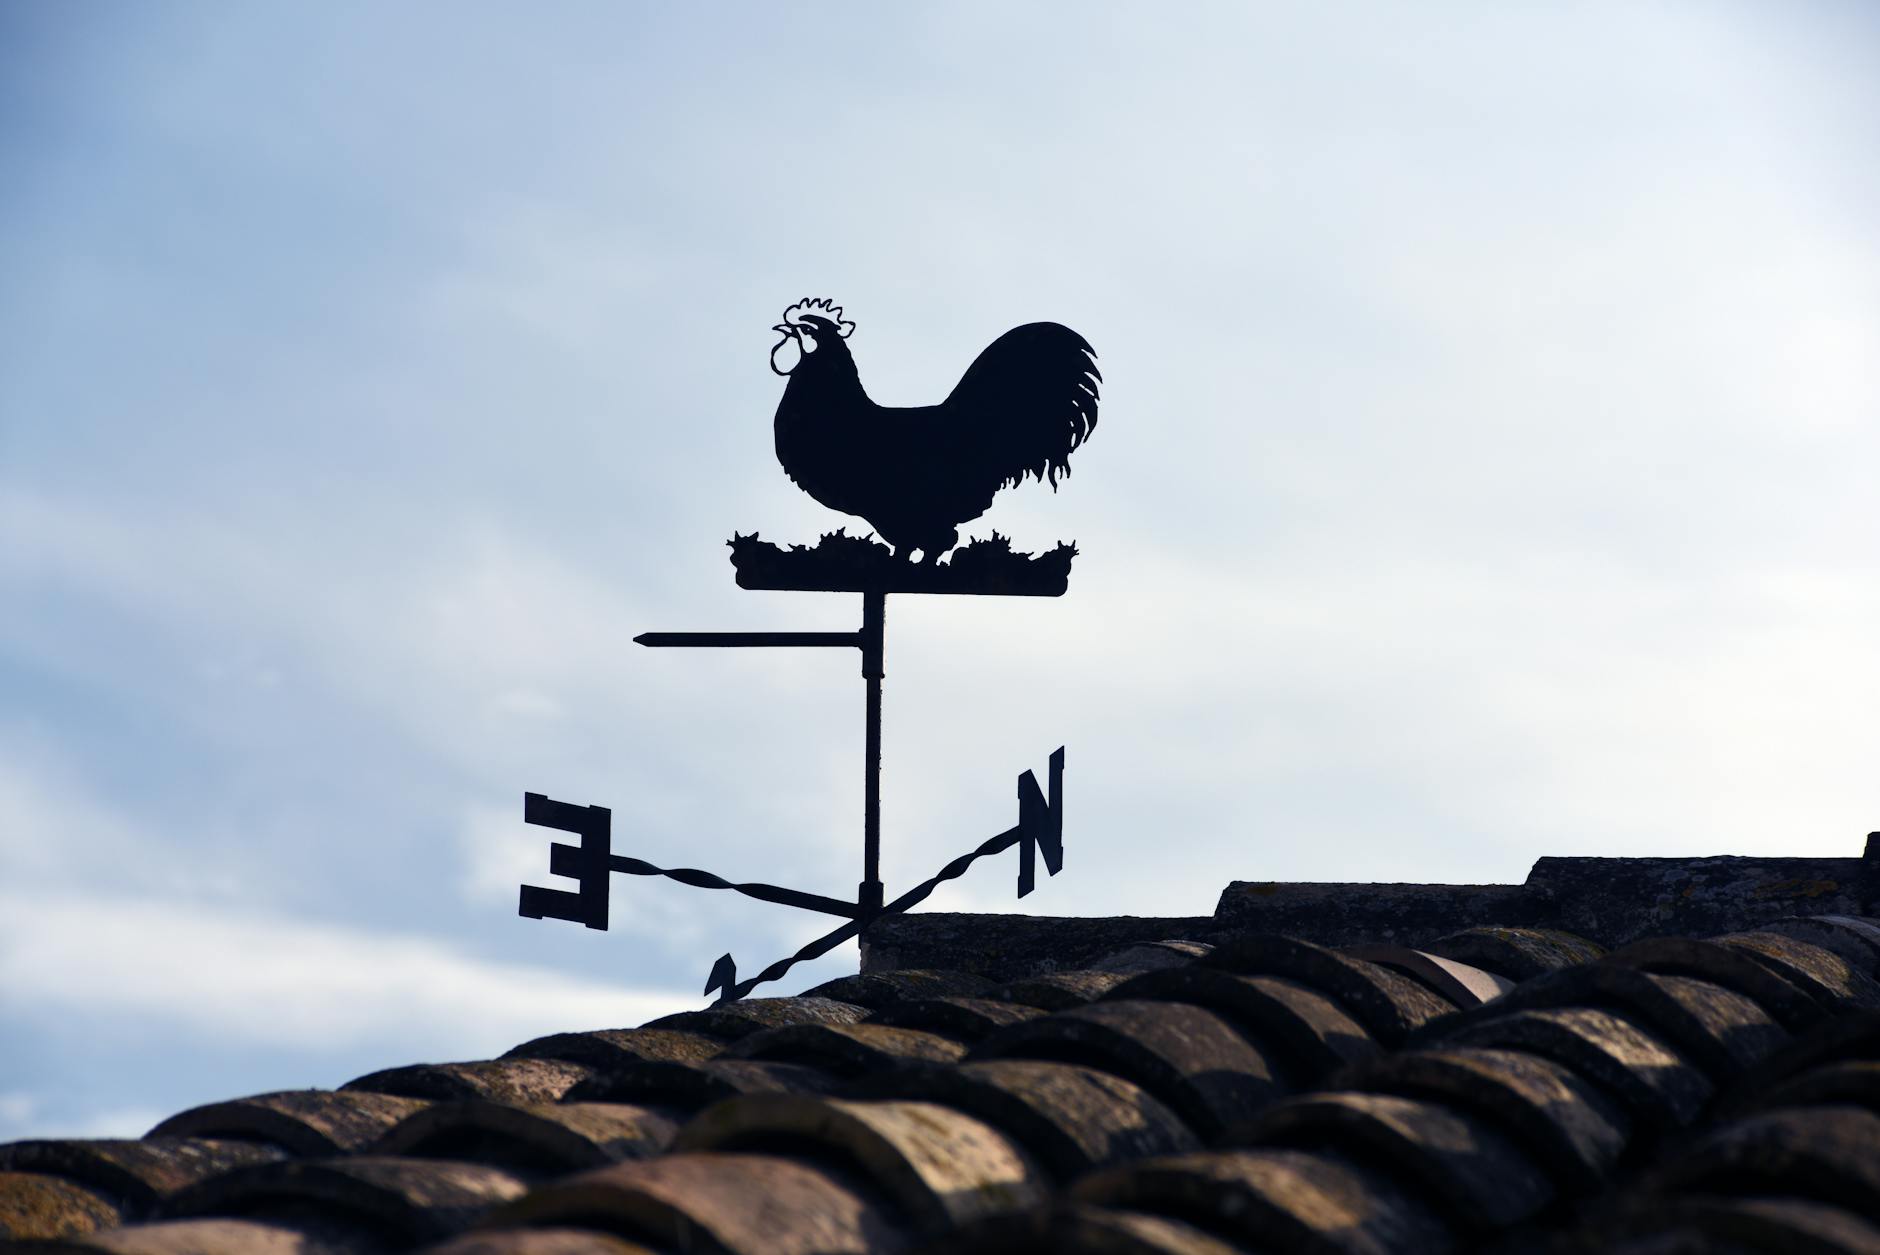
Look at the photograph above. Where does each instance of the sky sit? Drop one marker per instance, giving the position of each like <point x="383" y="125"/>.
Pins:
<point x="1484" y="471"/>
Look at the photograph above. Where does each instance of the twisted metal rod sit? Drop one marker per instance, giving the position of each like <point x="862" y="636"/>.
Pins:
<point x="751" y="889"/>
<point x="722" y="978"/>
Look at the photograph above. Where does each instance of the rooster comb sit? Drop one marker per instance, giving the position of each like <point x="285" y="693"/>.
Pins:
<point x="822" y="307"/>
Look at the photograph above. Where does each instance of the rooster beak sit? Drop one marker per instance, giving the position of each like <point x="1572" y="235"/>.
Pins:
<point x="785" y="327"/>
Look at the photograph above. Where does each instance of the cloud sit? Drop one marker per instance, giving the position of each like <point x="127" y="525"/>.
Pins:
<point x="51" y="828"/>
<point x="24" y="1116"/>
<point x="1483" y="473"/>
<point x="103" y="916"/>
<point x="256" y="979"/>
<point x="16" y="1109"/>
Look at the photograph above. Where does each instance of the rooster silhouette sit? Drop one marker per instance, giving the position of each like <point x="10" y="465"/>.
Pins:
<point x="916" y="473"/>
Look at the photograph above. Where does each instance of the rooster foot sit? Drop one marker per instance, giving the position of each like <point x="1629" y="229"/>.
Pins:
<point x="929" y="556"/>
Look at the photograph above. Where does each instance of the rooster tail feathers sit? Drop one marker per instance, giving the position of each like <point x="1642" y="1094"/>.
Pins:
<point x="1025" y="404"/>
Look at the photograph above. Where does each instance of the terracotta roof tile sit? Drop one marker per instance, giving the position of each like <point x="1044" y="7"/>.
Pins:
<point x="1734" y="968"/>
<point x="214" y="1237"/>
<point x="499" y="1080"/>
<point x="1389" y="1006"/>
<point x="1735" y="1226"/>
<point x="1071" y="1119"/>
<point x="612" y="1047"/>
<point x="311" y="1122"/>
<point x="1151" y="956"/>
<point x="735" y="1020"/>
<point x="137" y="1174"/>
<point x="1195" y="1061"/>
<point x="1054" y="991"/>
<point x="539" y="1139"/>
<point x="875" y="990"/>
<point x="1848" y="1038"/>
<point x="400" y="1201"/>
<point x="745" y="1204"/>
<point x="1506" y="1089"/>
<point x="1822" y="971"/>
<point x="940" y="1166"/>
<point x="1658" y="1085"/>
<point x="539" y="1242"/>
<point x="689" y="1085"/>
<point x="848" y="1049"/>
<point x="1083" y="1228"/>
<point x="1719" y="1030"/>
<point x="1517" y="953"/>
<point x="36" y="1206"/>
<point x="1821" y="1152"/>
<point x="1308" y="1034"/>
<point x="1843" y="933"/>
<point x="1279" y="1200"/>
<point x="1785" y="1163"/>
<point x="962" y="1019"/>
<point x="1855" y="1083"/>
<point x="1478" y="1178"/>
<point x="1459" y="984"/>
<point x="1565" y="1122"/>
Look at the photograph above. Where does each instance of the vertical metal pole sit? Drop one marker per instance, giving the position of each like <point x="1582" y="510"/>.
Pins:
<point x="874" y="613"/>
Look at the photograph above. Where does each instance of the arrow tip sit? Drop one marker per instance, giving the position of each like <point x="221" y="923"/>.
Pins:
<point x="724" y="975"/>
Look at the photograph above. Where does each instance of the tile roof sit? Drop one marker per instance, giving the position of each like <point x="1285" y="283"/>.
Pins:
<point x="1508" y="1089"/>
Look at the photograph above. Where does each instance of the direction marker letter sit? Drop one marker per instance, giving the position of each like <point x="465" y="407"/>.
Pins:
<point x="589" y="863"/>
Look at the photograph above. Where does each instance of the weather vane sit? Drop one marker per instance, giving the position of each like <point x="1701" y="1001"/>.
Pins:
<point x="915" y="474"/>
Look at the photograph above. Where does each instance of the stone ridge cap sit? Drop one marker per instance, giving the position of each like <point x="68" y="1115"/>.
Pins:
<point x="1068" y="919"/>
<point x="1350" y="885"/>
<point x="1609" y="900"/>
<point x="1747" y="862"/>
<point x="1548" y="865"/>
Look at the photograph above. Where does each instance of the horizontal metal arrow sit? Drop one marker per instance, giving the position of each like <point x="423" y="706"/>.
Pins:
<point x="746" y="640"/>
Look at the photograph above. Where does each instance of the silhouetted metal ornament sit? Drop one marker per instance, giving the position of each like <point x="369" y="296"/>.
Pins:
<point x="915" y="474"/>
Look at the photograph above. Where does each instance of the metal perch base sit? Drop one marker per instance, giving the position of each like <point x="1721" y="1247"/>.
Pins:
<point x="840" y="563"/>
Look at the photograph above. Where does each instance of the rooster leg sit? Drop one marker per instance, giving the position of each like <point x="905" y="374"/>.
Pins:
<point x="930" y="554"/>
